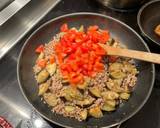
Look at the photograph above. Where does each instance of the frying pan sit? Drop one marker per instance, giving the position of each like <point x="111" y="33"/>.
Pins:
<point x="148" y="18"/>
<point x="118" y="30"/>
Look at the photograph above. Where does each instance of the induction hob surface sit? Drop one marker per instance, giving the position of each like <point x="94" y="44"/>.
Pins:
<point x="20" y="114"/>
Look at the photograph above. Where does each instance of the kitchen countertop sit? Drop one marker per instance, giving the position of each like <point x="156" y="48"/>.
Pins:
<point x="20" y="114"/>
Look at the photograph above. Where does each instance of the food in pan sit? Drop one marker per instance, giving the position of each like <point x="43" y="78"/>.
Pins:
<point x="157" y="30"/>
<point x="77" y="79"/>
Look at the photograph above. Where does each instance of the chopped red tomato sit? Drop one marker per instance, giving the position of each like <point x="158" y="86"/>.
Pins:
<point x="52" y="59"/>
<point x="93" y="28"/>
<point x="77" y="79"/>
<point x="64" y="28"/>
<point x="79" y="54"/>
<point x="42" y="63"/>
<point x="39" y="49"/>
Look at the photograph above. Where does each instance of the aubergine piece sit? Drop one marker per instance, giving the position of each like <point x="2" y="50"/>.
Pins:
<point x="110" y="95"/>
<point x="69" y="108"/>
<point x="117" y="74"/>
<point x="115" y="66"/>
<point x="41" y="56"/>
<point x="42" y="76"/>
<point x="111" y="103"/>
<point x="95" y="91"/>
<point x="86" y="101"/>
<point x="124" y="96"/>
<point x="51" y="68"/>
<point x="81" y="29"/>
<point x="130" y="68"/>
<point x="96" y="112"/>
<point x="83" y="114"/>
<point x="43" y="87"/>
<point x="50" y="99"/>
<point x="72" y="93"/>
<point x="85" y="84"/>
<point x="107" y="108"/>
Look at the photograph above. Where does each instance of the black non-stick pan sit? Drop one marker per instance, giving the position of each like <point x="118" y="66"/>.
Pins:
<point x="118" y="30"/>
<point x="148" y="18"/>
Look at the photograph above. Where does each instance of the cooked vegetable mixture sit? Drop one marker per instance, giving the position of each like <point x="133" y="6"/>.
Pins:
<point x="75" y="76"/>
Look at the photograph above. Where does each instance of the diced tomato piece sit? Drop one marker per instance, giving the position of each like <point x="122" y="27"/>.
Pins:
<point x="60" y="58"/>
<point x="72" y="37"/>
<point x="68" y="50"/>
<point x="89" y="43"/>
<point x="93" y="28"/>
<point x="63" y="67"/>
<point x="42" y="63"/>
<point x="71" y="57"/>
<point x="105" y="37"/>
<point x="85" y="66"/>
<point x="74" y="66"/>
<point x="40" y="48"/>
<point x="69" y="68"/>
<point x="84" y="72"/>
<point x="79" y="62"/>
<point x="99" y="66"/>
<point x="90" y="66"/>
<point x="64" y="28"/>
<point x="79" y="71"/>
<point x="95" y="37"/>
<point x="84" y="49"/>
<point x="52" y="59"/>
<point x="72" y="74"/>
<point x="91" y="73"/>
<point x="78" y="53"/>
<point x="100" y="52"/>
<point x="77" y="79"/>
<point x="58" y="48"/>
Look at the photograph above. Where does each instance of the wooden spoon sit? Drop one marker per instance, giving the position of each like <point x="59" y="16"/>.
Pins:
<point x="145" y="56"/>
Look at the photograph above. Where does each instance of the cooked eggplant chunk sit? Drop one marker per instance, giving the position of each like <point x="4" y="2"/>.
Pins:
<point x="117" y="74"/>
<point x="42" y="76"/>
<point x="107" y="108"/>
<point x="51" y="68"/>
<point x="69" y="108"/>
<point x="84" y="84"/>
<point x="111" y="103"/>
<point x="41" y="56"/>
<point x="110" y="95"/>
<point x="96" y="112"/>
<point x="125" y="96"/>
<point x="86" y="101"/>
<point x="81" y="29"/>
<point x="95" y="91"/>
<point x="50" y="99"/>
<point x="115" y="67"/>
<point x="72" y="93"/>
<point x="83" y="114"/>
<point x="43" y="87"/>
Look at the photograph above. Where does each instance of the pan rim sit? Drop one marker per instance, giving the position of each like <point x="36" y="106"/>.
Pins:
<point x="139" y="22"/>
<point x="92" y="14"/>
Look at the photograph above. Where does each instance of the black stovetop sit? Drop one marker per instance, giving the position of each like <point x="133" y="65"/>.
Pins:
<point x="20" y="114"/>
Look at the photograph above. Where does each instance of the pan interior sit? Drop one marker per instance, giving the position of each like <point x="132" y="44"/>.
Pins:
<point x="118" y="30"/>
<point x="149" y="19"/>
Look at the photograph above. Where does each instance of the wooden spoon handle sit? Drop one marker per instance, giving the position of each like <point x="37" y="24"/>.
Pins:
<point x="145" y="56"/>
